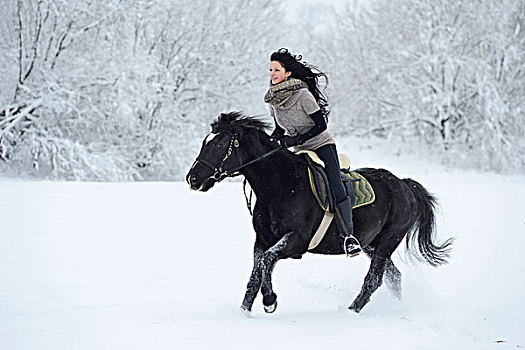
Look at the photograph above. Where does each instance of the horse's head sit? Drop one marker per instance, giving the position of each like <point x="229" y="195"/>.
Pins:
<point x="220" y="152"/>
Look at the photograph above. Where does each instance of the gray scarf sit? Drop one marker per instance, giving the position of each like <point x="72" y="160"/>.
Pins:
<point x="278" y="94"/>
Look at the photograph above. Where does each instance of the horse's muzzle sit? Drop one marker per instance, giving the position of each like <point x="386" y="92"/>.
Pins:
<point x="195" y="184"/>
<point x="198" y="185"/>
<point x="193" y="180"/>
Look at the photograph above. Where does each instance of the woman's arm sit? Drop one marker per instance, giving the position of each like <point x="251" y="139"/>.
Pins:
<point x="319" y="127"/>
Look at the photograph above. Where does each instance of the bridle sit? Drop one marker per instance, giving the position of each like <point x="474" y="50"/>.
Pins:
<point x="219" y="173"/>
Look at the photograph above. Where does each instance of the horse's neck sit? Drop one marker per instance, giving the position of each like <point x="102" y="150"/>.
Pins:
<point x="273" y="173"/>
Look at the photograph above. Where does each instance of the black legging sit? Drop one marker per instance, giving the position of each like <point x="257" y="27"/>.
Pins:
<point x="328" y="154"/>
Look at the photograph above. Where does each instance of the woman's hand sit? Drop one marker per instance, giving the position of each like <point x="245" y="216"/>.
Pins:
<point x="287" y="141"/>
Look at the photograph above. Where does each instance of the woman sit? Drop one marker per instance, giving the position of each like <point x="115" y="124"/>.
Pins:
<point x="299" y="109"/>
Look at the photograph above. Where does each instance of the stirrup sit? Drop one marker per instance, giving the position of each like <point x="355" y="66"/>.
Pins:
<point x="355" y="247"/>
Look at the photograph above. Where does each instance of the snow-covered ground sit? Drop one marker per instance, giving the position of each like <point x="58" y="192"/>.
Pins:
<point x="155" y="266"/>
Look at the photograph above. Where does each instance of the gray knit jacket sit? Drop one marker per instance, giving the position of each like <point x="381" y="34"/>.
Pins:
<point x="293" y="117"/>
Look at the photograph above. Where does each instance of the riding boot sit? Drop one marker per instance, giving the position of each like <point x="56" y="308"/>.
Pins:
<point x="351" y="245"/>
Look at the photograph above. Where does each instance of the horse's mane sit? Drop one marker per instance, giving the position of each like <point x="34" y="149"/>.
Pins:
<point x="227" y="121"/>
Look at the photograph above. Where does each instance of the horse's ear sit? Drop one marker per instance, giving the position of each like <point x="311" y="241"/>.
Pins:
<point x="225" y="118"/>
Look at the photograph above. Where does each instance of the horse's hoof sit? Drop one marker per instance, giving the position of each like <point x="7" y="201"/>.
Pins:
<point x="245" y="312"/>
<point x="270" y="308"/>
<point x="354" y="308"/>
<point x="397" y="294"/>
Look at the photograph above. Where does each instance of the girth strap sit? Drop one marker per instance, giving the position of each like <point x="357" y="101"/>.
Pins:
<point x="321" y="230"/>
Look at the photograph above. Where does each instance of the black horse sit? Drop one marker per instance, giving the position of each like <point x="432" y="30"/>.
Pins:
<point x="286" y="214"/>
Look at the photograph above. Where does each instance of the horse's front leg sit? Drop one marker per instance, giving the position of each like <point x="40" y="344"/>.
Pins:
<point x="254" y="284"/>
<point x="287" y="246"/>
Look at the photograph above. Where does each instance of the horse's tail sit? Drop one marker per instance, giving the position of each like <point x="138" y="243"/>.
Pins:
<point x="425" y="227"/>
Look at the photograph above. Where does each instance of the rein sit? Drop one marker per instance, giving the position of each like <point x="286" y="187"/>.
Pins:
<point x="257" y="159"/>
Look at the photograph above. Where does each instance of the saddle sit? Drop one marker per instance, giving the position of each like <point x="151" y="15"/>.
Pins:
<point x="356" y="186"/>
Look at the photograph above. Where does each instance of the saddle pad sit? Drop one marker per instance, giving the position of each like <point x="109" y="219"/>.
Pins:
<point x="364" y="193"/>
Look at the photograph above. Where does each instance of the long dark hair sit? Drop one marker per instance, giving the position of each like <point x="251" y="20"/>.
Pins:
<point x="305" y="72"/>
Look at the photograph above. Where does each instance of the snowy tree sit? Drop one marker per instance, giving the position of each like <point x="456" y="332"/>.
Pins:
<point x="126" y="89"/>
<point x="53" y="121"/>
<point x="122" y="89"/>
<point x="448" y="73"/>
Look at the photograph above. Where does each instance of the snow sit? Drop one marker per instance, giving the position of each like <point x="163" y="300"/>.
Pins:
<point x="156" y="266"/>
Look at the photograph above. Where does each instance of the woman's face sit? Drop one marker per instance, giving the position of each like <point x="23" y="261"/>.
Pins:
<point x="277" y="72"/>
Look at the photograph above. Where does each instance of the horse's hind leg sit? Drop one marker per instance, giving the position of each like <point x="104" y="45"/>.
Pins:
<point x="392" y="274"/>
<point x="373" y="280"/>
<point x="385" y="244"/>
<point x="393" y="278"/>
